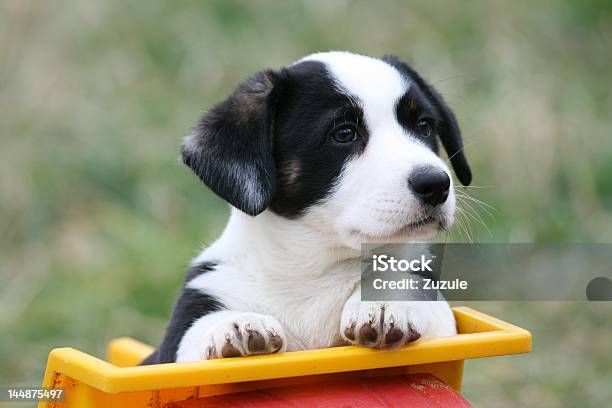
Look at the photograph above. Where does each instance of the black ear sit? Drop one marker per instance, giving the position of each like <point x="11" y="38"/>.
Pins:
<point x="449" y="131"/>
<point x="230" y="148"/>
<point x="450" y="135"/>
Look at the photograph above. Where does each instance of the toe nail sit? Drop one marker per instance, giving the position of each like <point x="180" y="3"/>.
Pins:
<point x="368" y="333"/>
<point x="413" y="335"/>
<point x="349" y="332"/>
<point x="256" y="341"/>
<point x="275" y="340"/>
<point x="393" y="335"/>
<point x="230" y="351"/>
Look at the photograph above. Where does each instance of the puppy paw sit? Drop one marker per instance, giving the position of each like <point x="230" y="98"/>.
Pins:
<point x="378" y="325"/>
<point x="393" y="324"/>
<point x="232" y="334"/>
<point x="244" y="335"/>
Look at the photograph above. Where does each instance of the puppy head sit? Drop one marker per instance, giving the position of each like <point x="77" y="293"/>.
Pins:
<point x="343" y="142"/>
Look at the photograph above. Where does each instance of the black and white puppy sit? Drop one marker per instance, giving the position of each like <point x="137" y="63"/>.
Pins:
<point x="315" y="158"/>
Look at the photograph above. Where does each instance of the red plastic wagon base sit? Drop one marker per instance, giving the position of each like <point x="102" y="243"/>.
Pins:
<point x="414" y="391"/>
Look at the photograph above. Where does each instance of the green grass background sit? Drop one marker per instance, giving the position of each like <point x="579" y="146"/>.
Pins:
<point x="98" y="219"/>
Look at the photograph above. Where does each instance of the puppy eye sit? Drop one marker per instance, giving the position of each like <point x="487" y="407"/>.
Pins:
<point x="344" y="134"/>
<point x="425" y="127"/>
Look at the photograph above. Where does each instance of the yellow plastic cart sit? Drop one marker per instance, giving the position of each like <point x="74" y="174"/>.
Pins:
<point x="120" y="382"/>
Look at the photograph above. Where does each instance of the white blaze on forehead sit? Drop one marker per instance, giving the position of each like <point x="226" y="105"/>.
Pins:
<point x="376" y="84"/>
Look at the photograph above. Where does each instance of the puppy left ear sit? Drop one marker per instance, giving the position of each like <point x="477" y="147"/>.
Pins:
<point x="450" y="135"/>
<point x="230" y="148"/>
<point x="449" y="131"/>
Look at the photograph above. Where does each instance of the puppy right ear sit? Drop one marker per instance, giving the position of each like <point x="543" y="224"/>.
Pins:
<point x="230" y="148"/>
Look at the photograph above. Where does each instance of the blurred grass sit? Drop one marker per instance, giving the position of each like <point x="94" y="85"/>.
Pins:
<point x="98" y="219"/>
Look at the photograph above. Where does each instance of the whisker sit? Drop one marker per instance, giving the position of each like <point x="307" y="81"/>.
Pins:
<point x="463" y="225"/>
<point x="460" y="150"/>
<point x="448" y="79"/>
<point x="472" y="186"/>
<point x="476" y="217"/>
<point x="462" y="98"/>
<point x="475" y="200"/>
<point x="463" y="201"/>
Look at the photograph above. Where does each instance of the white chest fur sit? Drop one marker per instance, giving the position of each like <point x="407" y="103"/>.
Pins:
<point x="306" y="301"/>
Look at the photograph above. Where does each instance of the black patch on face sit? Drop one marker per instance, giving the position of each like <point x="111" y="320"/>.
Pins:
<point x="308" y="161"/>
<point x="446" y="126"/>
<point x="414" y="108"/>
<point x="190" y="306"/>
<point x="267" y="144"/>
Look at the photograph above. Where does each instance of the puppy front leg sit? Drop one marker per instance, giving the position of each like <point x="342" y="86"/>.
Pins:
<point x="202" y="328"/>
<point x="393" y="324"/>
<point x="231" y="334"/>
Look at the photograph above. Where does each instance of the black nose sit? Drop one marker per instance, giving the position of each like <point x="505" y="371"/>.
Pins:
<point x="430" y="185"/>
